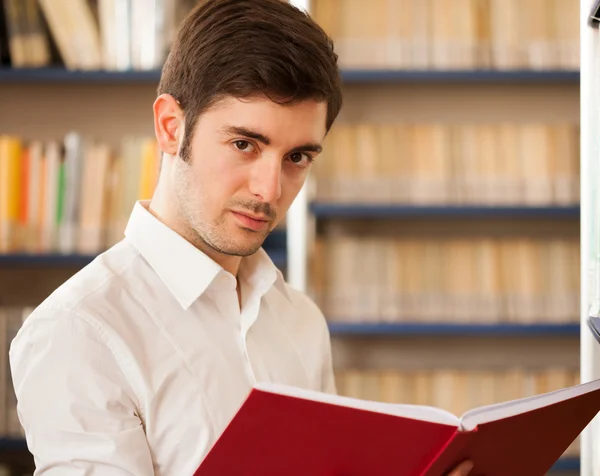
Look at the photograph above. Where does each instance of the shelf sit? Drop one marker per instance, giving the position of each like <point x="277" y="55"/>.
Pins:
<point x="356" y="211"/>
<point x="411" y="329"/>
<point x="279" y="257"/>
<point x="566" y="465"/>
<point x="13" y="444"/>
<point x="277" y="239"/>
<point x="44" y="260"/>
<point x="464" y="76"/>
<point x="23" y="260"/>
<point x="61" y="75"/>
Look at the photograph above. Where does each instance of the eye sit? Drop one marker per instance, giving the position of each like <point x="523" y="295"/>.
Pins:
<point x="243" y="146"/>
<point x="300" y="158"/>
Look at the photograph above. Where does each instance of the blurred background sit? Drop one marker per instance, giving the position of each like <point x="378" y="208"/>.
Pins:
<point x="443" y="238"/>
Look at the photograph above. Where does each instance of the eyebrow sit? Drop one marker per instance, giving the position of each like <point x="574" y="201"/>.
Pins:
<point x="242" y="131"/>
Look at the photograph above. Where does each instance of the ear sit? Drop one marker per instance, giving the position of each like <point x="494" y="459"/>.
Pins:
<point x="168" y="123"/>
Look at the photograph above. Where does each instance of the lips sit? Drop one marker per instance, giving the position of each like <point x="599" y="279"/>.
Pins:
<point x="250" y="222"/>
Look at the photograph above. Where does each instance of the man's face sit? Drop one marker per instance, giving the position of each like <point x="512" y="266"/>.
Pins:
<point x="247" y="161"/>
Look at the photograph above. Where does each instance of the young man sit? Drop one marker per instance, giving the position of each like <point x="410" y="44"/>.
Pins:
<point x="136" y="364"/>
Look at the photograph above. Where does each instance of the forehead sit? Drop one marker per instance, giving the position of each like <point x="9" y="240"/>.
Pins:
<point x="302" y="121"/>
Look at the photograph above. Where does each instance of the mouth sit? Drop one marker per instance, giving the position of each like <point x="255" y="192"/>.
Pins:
<point x="251" y="222"/>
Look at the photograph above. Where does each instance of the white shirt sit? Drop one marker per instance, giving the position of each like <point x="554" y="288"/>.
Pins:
<point x="136" y="364"/>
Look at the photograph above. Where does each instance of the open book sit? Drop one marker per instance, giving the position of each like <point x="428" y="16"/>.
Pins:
<point x="282" y="430"/>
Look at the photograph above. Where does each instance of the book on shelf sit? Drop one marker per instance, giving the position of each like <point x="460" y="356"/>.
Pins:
<point x="418" y="277"/>
<point x="75" y="195"/>
<point x="114" y="35"/>
<point x="23" y="30"/>
<point x="394" y="34"/>
<point x="298" y="432"/>
<point x="72" y="195"/>
<point x="461" y="35"/>
<point x="529" y="164"/>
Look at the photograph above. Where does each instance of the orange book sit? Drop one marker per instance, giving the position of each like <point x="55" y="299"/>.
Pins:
<point x="10" y="184"/>
<point x="24" y="198"/>
<point x="149" y="169"/>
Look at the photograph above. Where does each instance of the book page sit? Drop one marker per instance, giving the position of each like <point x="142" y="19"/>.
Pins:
<point x="415" y="412"/>
<point x="478" y="416"/>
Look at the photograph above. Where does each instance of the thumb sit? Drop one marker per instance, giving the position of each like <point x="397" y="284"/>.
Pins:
<point x="462" y="469"/>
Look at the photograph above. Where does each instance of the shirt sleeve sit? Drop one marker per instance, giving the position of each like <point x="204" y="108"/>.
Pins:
<point x="328" y="384"/>
<point x="78" y="411"/>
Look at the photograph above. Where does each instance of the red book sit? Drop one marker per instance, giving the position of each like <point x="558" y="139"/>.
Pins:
<point x="281" y="430"/>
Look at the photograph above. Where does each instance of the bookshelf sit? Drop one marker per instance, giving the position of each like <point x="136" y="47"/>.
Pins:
<point x="378" y="96"/>
<point x="590" y="270"/>
<point x="49" y="101"/>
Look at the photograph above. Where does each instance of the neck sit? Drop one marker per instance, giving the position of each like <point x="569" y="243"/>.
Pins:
<point x="165" y="211"/>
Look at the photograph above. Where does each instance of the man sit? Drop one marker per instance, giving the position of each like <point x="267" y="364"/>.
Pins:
<point x="136" y="364"/>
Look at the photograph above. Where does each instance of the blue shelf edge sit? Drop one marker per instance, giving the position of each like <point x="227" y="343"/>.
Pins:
<point x="567" y="464"/>
<point x="458" y="76"/>
<point x="59" y="74"/>
<point x="62" y="75"/>
<point x="354" y="210"/>
<point x="13" y="444"/>
<point x="447" y="329"/>
<point x="278" y="256"/>
<point x="44" y="260"/>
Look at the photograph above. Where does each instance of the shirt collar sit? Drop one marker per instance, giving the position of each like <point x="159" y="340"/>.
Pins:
<point x="258" y="270"/>
<point x="184" y="269"/>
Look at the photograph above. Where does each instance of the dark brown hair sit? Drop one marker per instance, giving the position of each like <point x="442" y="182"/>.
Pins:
<point x="249" y="48"/>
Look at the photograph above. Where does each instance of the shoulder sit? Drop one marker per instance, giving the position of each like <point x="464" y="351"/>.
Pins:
<point x="70" y="327"/>
<point x="78" y="305"/>
<point x="93" y="281"/>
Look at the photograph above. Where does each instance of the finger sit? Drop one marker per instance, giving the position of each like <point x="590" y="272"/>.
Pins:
<point x="462" y="469"/>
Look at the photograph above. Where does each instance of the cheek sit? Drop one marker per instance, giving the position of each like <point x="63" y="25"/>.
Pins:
<point x="217" y="173"/>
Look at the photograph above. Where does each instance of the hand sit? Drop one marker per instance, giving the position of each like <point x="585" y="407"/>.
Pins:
<point x="463" y="469"/>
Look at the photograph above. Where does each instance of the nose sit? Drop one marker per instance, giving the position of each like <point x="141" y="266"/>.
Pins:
<point x="265" y="179"/>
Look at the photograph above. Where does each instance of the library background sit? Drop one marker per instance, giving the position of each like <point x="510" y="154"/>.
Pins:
<point x="440" y="232"/>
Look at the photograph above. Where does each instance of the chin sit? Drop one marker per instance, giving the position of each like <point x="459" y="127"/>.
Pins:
<point x="239" y="250"/>
<point x="243" y="245"/>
